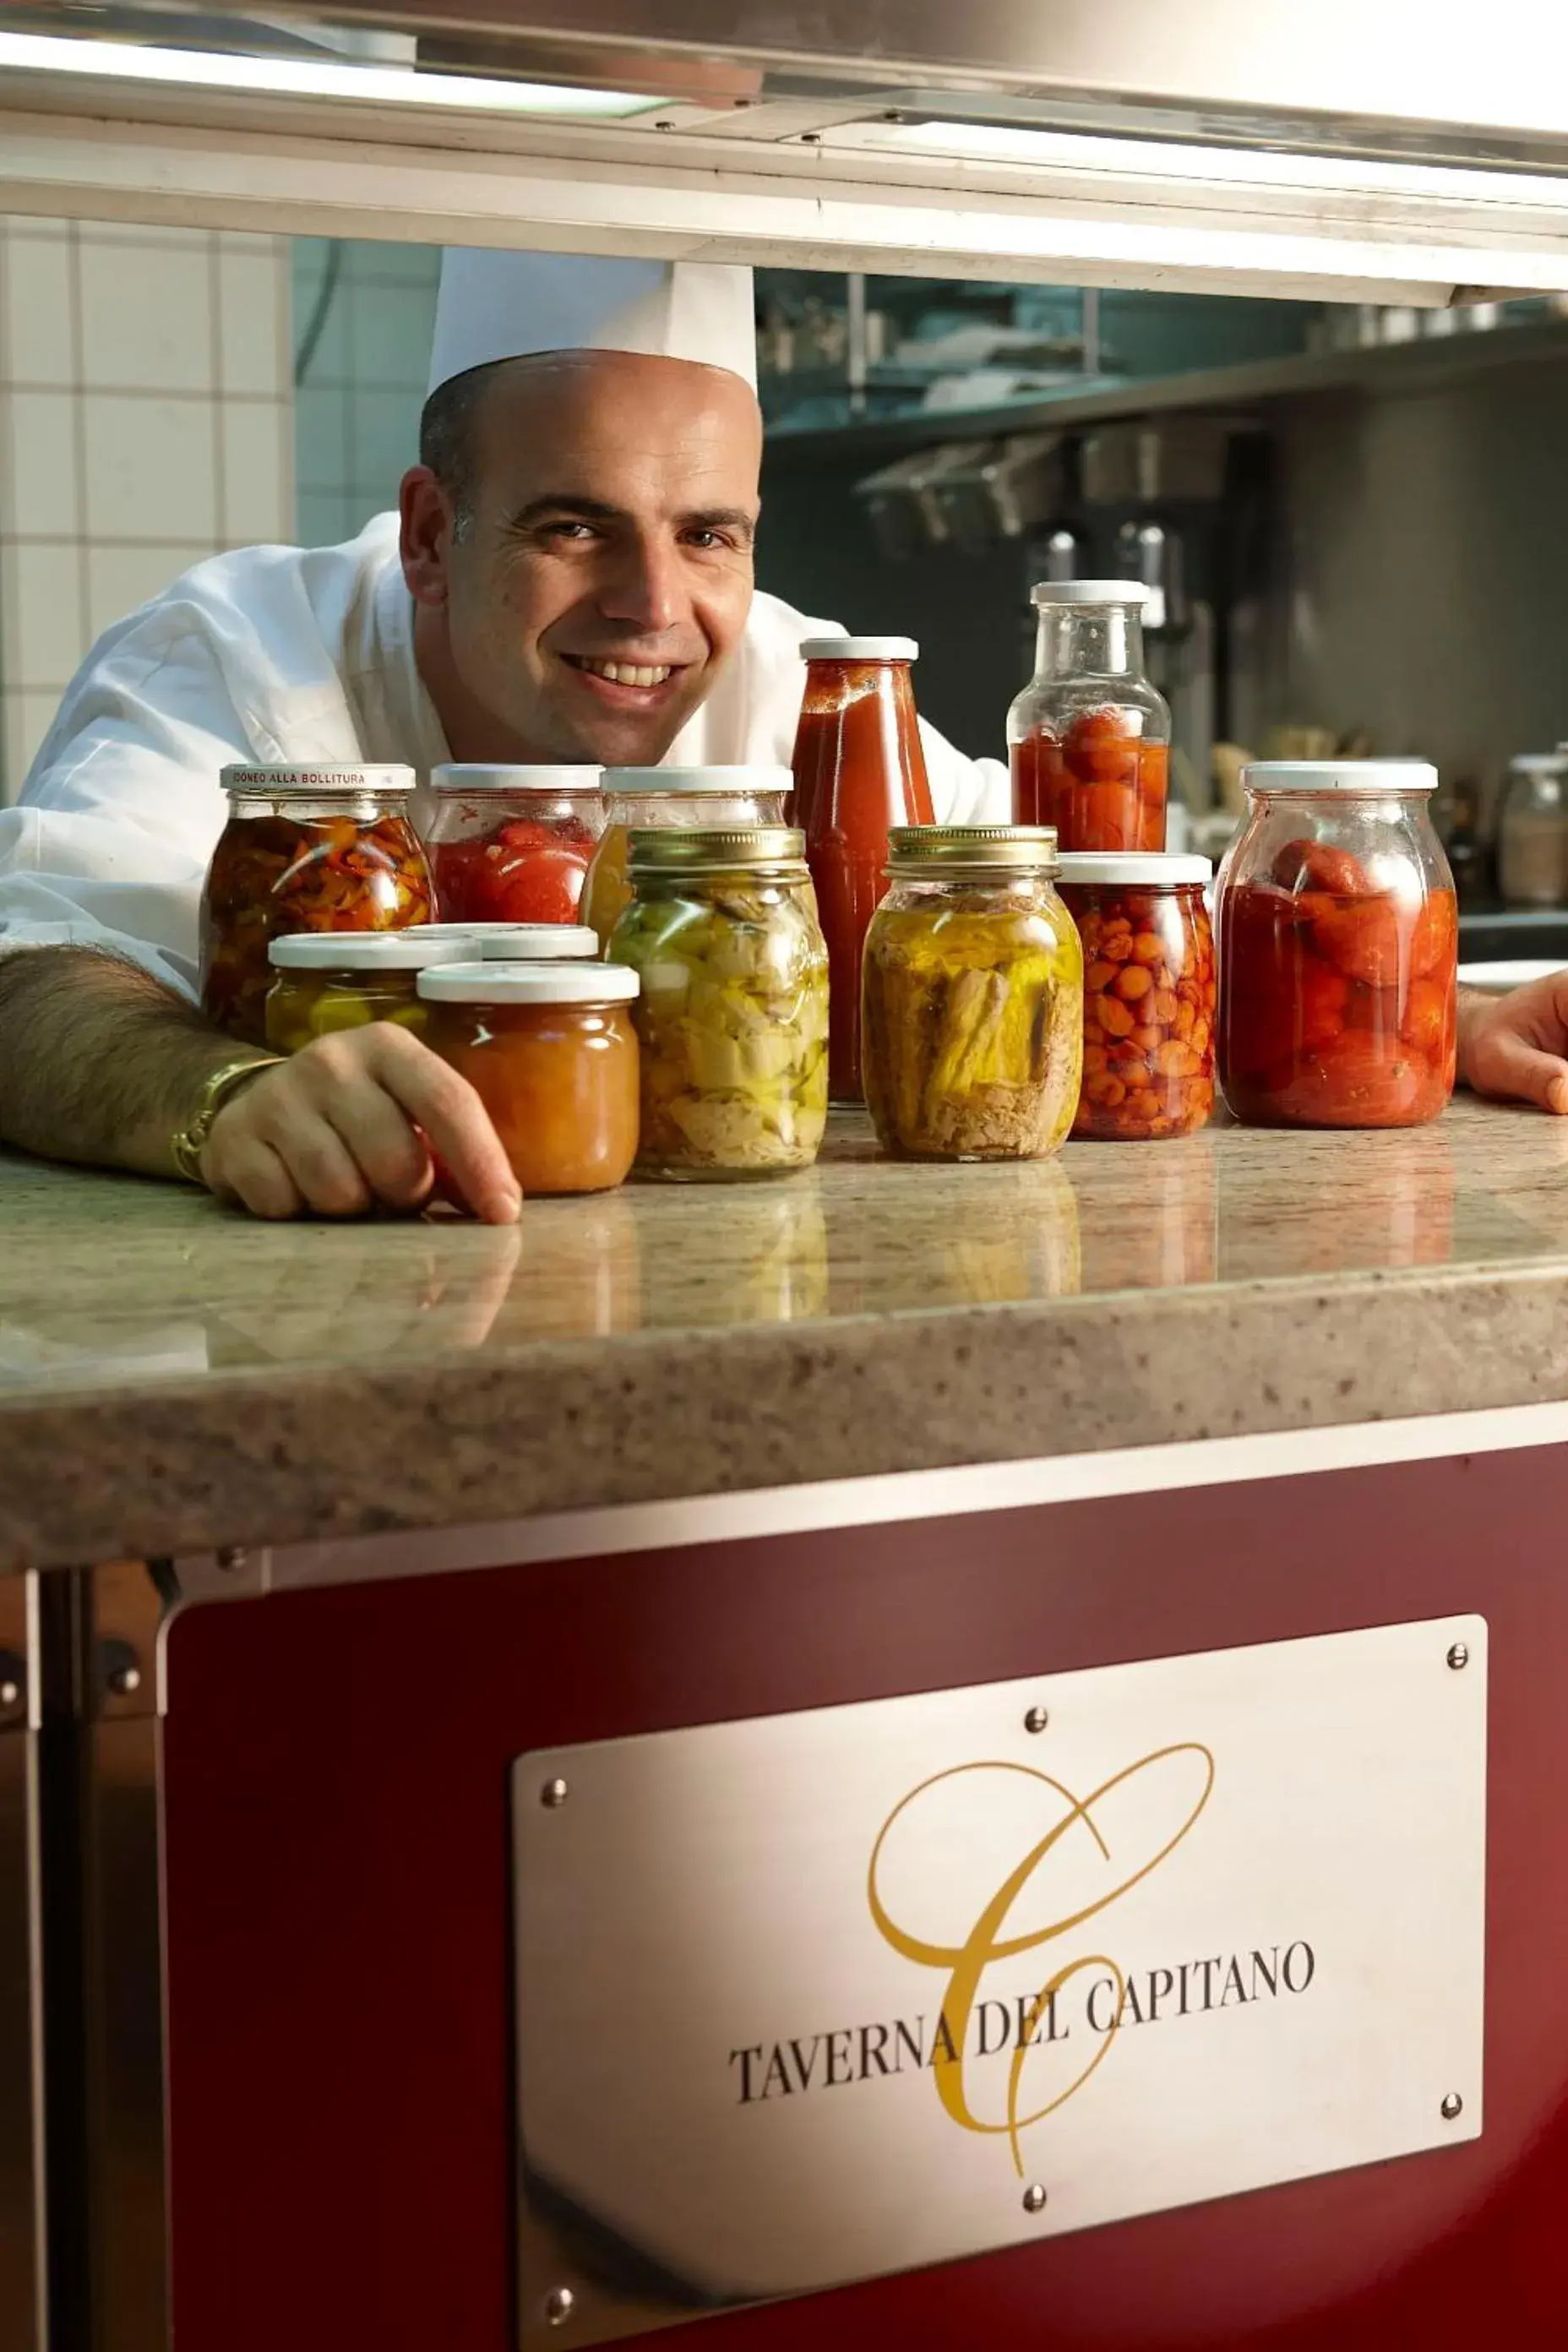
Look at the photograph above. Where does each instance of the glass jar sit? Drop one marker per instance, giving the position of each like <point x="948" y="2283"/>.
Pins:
<point x="1337" y="949"/>
<point x="1533" y="831"/>
<point x="551" y="1051"/>
<point x="323" y="983"/>
<point x="1148" y="994"/>
<point x="973" y="997"/>
<point x="304" y="849"/>
<point x="859" y="770"/>
<point x="512" y="844"/>
<point x="517" y="942"/>
<point x="1088" y="738"/>
<point x="733" y="1012"/>
<point x="647" y="800"/>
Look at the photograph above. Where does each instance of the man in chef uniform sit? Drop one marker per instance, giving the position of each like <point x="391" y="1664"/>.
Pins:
<point x="569" y="578"/>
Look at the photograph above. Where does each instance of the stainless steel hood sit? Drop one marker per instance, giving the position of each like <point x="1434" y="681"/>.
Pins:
<point x="1323" y="147"/>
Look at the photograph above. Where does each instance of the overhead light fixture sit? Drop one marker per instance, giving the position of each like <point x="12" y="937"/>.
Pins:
<point x="299" y="78"/>
<point x="990" y="143"/>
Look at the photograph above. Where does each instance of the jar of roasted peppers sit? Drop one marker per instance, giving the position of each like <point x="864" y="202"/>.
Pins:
<point x="551" y="1051"/>
<point x="973" y="1007"/>
<point x="512" y="844"/>
<point x="1337" y="949"/>
<point x="323" y="983"/>
<point x="1089" y="737"/>
<point x="733" y="1017"/>
<point x="1148" y="994"/>
<point x="859" y="771"/>
<point x="304" y="849"/>
<point x="650" y="800"/>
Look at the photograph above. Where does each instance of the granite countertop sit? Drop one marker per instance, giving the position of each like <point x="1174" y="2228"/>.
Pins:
<point x="173" y="1376"/>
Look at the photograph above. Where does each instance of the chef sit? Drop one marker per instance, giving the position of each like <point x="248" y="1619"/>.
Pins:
<point x="569" y="578"/>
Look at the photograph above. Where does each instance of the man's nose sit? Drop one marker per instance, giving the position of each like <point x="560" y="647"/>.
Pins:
<point x="643" y="585"/>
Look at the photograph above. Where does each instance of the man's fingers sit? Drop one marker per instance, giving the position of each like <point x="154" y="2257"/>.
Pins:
<point x="388" y="1151"/>
<point x="250" y="1172"/>
<point x="322" y="1166"/>
<point x="1525" y="1074"/>
<point x="451" y="1114"/>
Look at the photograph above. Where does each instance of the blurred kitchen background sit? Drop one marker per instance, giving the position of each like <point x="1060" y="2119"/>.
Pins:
<point x="1355" y="519"/>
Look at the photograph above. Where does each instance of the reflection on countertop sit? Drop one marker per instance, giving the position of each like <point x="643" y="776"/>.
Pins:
<point x="669" y="1339"/>
<point x="104" y="1280"/>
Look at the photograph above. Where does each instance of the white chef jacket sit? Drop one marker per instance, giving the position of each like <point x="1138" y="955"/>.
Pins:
<point x="290" y="654"/>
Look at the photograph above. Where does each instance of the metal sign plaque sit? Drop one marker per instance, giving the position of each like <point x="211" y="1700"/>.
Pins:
<point x="811" y="1998"/>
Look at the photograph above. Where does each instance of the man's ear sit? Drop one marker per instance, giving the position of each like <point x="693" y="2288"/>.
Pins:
<point x="424" y="539"/>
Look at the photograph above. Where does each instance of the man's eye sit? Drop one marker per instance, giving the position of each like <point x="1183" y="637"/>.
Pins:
<point x="573" y="531"/>
<point x="704" y="540"/>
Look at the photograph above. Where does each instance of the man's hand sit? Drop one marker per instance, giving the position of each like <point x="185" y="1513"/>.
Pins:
<point x="1516" y="1046"/>
<point x="342" y="1123"/>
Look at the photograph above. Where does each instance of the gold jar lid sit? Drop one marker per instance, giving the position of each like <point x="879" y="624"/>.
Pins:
<point x="968" y="848"/>
<point x="778" y="850"/>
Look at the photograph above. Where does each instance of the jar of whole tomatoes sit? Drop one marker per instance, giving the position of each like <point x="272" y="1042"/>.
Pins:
<point x="512" y="844"/>
<point x="971" y="1017"/>
<point x="326" y="982"/>
<point x="304" y="849"/>
<point x="1088" y="738"/>
<point x="653" y="800"/>
<point x="1148" y="994"/>
<point x="551" y="1051"/>
<point x="1338" y="948"/>
<point x="733" y="1017"/>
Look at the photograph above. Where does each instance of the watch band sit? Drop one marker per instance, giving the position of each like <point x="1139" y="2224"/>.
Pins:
<point x="188" y="1142"/>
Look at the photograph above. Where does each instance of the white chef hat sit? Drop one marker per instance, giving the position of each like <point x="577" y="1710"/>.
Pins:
<point x="497" y="305"/>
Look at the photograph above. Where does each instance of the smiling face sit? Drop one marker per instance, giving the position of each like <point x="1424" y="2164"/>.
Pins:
<point x="577" y="604"/>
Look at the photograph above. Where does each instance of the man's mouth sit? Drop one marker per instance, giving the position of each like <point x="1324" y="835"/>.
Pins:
<point x="622" y="673"/>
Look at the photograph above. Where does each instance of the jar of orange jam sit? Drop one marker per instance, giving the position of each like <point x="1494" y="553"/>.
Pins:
<point x="551" y="1052"/>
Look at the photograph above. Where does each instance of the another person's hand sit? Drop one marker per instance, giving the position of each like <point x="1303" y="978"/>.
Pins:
<point x="343" y="1125"/>
<point x="1516" y="1046"/>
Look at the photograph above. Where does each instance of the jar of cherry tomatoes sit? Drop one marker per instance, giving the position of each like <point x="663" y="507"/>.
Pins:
<point x="512" y="844"/>
<point x="305" y="849"/>
<point x="1088" y="738"/>
<point x="1338" y="948"/>
<point x="647" y="800"/>
<point x="551" y="1051"/>
<point x="1148" y="994"/>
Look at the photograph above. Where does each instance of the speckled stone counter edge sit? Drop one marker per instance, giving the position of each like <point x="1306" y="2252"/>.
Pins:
<point x="281" y="1456"/>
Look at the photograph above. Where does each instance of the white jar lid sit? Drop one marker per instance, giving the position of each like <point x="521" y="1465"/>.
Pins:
<point x="406" y="950"/>
<point x="331" y="776"/>
<point x="1339" y="776"/>
<point x="485" y="776"/>
<point x="851" y="650"/>
<point x="740" y="783"/>
<point x="530" y="984"/>
<point x="1133" y="869"/>
<point x="525" y="942"/>
<point x="1090" y="591"/>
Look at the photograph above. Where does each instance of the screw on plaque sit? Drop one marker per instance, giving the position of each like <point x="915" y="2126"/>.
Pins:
<point x="1033" y="2198"/>
<point x="559" y="2306"/>
<point x="1036" y="1719"/>
<point x="124" y="1680"/>
<point x="1459" y="1655"/>
<point x="1452" y="2105"/>
<point x="554" y="1792"/>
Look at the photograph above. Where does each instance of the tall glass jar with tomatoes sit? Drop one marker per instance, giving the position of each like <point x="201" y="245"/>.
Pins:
<point x="1090" y="738"/>
<point x="1337" y="949"/>
<point x="512" y="844"/>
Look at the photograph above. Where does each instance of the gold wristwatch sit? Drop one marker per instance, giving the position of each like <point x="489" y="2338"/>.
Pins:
<point x="188" y="1142"/>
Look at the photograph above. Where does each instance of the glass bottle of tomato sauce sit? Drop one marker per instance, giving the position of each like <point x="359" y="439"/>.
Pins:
<point x="1090" y="738"/>
<point x="859" y="769"/>
<point x="1338" y="937"/>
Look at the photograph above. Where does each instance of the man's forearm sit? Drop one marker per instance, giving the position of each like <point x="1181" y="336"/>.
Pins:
<point x="98" y="1062"/>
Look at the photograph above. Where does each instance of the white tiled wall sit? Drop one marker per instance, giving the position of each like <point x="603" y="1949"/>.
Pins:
<point x="146" y="420"/>
<point x="363" y="387"/>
